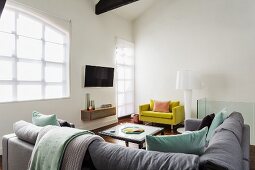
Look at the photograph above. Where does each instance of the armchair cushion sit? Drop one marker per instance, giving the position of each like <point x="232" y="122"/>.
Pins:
<point x="172" y="104"/>
<point x="161" y="106"/>
<point x="157" y="114"/>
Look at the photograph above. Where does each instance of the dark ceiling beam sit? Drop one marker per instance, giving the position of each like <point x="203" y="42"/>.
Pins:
<point x="107" y="5"/>
<point x="2" y="3"/>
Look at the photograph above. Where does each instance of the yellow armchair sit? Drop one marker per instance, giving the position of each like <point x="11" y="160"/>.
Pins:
<point x="173" y="117"/>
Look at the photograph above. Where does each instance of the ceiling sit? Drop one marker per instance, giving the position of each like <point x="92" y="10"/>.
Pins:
<point x="133" y="10"/>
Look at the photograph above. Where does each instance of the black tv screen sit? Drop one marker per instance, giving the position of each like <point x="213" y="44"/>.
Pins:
<point x="96" y="76"/>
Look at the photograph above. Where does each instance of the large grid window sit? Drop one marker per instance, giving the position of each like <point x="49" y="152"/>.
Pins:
<point x="34" y="61"/>
<point x="125" y="77"/>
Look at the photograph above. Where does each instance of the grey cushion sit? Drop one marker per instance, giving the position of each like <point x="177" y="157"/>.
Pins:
<point x="106" y="156"/>
<point x="224" y="150"/>
<point x="233" y="123"/>
<point x="26" y="131"/>
<point x="192" y="124"/>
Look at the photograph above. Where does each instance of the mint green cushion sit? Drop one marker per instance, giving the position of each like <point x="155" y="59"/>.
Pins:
<point x="44" y="120"/>
<point x="218" y="120"/>
<point x="190" y="143"/>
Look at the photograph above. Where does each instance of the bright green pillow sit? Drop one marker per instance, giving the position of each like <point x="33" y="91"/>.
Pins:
<point x="218" y="120"/>
<point x="44" y="120"/>
<point x="190" y="143"/>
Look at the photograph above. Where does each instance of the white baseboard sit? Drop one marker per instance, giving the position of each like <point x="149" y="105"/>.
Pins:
<point x="1" y="151"/>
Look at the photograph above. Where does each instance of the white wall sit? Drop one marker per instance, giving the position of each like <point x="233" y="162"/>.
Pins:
<point x="92" y="42"/>
<point x="215" y="38"/>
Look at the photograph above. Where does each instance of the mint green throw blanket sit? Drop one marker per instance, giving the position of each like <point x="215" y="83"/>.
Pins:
<point x="50" y="147"/>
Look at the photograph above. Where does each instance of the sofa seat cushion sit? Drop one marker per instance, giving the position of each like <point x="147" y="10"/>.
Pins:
<point x="157" y="114"/>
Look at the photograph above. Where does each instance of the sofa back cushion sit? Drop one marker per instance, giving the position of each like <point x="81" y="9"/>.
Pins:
<point x="44" y="120"/>
<point x="189" y="142"/>
<point x="224" y="148"/>
<point x="161" y="106"/>
<point x="107" y="156"/>
<point x="172" y="104"/>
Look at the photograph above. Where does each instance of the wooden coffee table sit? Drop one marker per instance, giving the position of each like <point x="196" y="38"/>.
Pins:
<point x="116" y="133"/>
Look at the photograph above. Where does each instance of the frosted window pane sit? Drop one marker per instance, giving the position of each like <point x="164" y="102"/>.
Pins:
<point x="121" y="86"/>
<point x="7" y="21"/>
<point x="129" y="98"/>
<point x="120" y="57"/>
<point x="29" y="27"/>
<point x="5" y="70"/>
<point x="5" y="93"/>
<point x="7" y="44"/>
<point x="129" y="73"/>
<point x="54" y="52"/>
<point x="29" y="71"/>
<point x="29" y="92"/>
<point x="121" y="99"/>
<point x="53" y="91"/>
<point x="29" y="48"/>
<point x="121" y="111"/>
<point x="129" y="61"/>
<point x="130" y="109"/>
<point x="53" y="73"/>
<point x="129" y="86"/>
<point x="120" y="73"/>
<point x="53" y="35"/>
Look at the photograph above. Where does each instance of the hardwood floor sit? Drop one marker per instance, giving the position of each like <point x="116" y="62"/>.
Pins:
<point x="167" y="132"/>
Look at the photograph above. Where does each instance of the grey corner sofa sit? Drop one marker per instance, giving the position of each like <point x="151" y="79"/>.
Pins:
<point x="228" y="149"/>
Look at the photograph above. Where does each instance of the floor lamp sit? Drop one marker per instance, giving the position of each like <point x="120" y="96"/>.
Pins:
<point x="187" y="80"/>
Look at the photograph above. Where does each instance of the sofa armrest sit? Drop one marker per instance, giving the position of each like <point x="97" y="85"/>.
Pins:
<point x="192" y="124"/>
<point x="5" y="149"/>
<point x="144" y="107"/>
<point x="178" y="114"/>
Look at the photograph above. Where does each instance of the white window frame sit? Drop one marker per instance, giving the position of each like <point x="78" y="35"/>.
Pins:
<point x="122" y="44"/>
<point x="14" y="59"/>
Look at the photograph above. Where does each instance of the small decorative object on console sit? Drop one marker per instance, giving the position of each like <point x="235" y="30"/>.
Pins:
<point x="106" y="105"/>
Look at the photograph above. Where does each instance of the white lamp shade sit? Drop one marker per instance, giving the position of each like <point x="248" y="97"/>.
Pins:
<point x="187" y="80"/>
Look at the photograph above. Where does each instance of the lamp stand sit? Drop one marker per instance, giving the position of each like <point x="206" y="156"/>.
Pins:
<point x="187" y="103"/>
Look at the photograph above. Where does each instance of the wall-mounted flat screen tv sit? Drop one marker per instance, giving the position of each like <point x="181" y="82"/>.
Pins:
<point x="96" y="76"/>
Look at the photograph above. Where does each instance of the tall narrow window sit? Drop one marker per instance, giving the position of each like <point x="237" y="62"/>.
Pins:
<point x="125" y="77"/>
<point x="33" y="58"/>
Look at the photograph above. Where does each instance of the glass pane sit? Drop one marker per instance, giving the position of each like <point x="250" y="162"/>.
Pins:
<point x="130" y="109"/>
<point x="29" y="92"/>
<point x="120" y="73"/>
<point x="7" y="21"/>
<point x="5" y="70"/>
<point x="5" y="93"/>
<point x="53" y="35"/>
<point x="129" y="74"/>
<point x="121" y="86"/>
<point x="121" y="111"/>
<point x="121" y="99"/>
<point x="7" y="44"/>
<point x="54" y="52"/>
<point x="53" y="73"/>
<point x="29" y="48"/>
<point x="29" y="71"/>
<point x="129" y="86"/>
<point x="29" y="27"/>
<point x="129" y="98"/>
<point x="120" y="57"/>
<point x="53" y="92"/>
